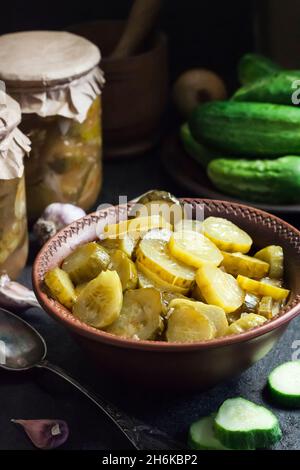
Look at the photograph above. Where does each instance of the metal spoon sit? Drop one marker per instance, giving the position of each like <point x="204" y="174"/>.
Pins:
<point x="23" y="348"/>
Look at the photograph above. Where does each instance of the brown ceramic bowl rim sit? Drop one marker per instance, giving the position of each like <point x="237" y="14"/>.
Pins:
<point x="54" y="308"/>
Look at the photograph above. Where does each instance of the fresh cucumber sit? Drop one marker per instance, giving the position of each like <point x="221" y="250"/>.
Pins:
<point x="202" y="435"/>
<point x="274" y="181"/>
<point x="248" y="129"/>
<point x="284" y="384"/>
<point x="255" y="66"/>
<point x="196" y="150"/>
<point x="241" y="424"/>
<point x="277" y="88"/>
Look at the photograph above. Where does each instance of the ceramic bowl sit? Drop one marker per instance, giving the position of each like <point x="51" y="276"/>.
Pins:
<point x="179" y="366"/>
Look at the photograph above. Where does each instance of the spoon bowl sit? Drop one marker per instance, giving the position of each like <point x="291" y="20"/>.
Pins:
<point x="21" y="346"/>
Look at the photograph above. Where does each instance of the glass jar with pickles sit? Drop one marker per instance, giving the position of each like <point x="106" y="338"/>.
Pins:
<point x="56" y="80"/>
<point x="13" y="220"/>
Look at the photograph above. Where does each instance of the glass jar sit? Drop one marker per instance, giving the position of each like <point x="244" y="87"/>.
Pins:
<point x="63" y="166"/>
<point x="13" y="220"/>
<point x="13" y="227"/>
<point x="58" y="90"/>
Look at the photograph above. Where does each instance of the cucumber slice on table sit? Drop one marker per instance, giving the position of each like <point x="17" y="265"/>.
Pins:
<point x="284" y="384"/>
<point x="202" y="435"/>
<point x="241" y="424"/>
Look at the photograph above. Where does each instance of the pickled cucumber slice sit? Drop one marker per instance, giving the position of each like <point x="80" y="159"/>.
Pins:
<point x="143" y="280"/>
<point x="212" y="312"/>
<point x="79" y="288"/>
<point x="234" y="316"/>
<point x="273" y="255"/>
<point x="219" y="288"/>
<point x="100" y="303"/>
<point x="265" y="307"/>
<point x="135" y="227"/>
<point x="157" y="202"/>
<point x="190" y="225"/>
<point x="238" y="263"/>
<point x="154" y="255"/>
<point x="61" y="287"/>
<point x="66" y="157"/>
<point x="194" y="249"/>
<point x="145" y="276"/>
<point x="163" y="234"/>
<point x="86" y="262"/>
<point x="250" y="303"/>
<point x="262" y="289"/>
<point x="245" y="323"/>
<point x="20" y="201"/>
<point x="140" y="316"/>
<point x="125" y="268"/>
<point x="226" y="235"/>
<point x="196" y="294"/>
<point x="272" y="281"/>
<point x="187" y="325"/>
<point x="167" y="297"/>
<point x="126" y="244"/>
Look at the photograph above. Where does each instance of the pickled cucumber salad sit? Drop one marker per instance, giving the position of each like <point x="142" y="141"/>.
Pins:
<point x="151" y="280"/>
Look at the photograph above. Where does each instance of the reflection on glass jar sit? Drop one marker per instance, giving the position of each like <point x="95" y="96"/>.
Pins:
<point x="65" y="163"/>
<point x="13" y="227"/>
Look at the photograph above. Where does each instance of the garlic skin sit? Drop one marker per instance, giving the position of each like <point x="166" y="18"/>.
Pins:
<point x="55" y="217"/>
<point x="15" y="296"/>
<point x="45" y="433"/>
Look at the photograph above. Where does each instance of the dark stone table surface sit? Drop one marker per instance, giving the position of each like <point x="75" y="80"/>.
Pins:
<point x="39" y="394"/>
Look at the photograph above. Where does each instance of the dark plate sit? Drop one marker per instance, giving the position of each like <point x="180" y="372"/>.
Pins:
<point x="189" y="174"/>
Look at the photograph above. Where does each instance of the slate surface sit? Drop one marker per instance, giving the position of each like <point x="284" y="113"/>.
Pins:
<point x="41" y="395"/>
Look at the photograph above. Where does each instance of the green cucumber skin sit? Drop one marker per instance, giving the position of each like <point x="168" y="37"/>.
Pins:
<point x="274" y="181"/>
<point x="286" y="400"/>
<point x="193" y="443"/>
<point x="196" y="150"/>
<point x="247" y="440"/>
<point x="277" y="88"/>
<point x="252" y="67"/>
<point x="248" y="129"/>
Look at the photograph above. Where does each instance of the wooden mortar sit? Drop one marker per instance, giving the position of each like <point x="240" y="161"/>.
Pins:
<point x="136" y="89"/>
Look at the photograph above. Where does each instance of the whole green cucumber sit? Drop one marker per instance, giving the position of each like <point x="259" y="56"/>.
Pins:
<point x="196" y="150"/>
<point x="280" y="88"/>
<point x="252" y="67"/>
<point x="247" y="129"/>
<point x="274" y="181"/>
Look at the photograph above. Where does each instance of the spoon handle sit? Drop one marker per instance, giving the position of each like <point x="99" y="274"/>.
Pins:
<point x="141" y="436"/>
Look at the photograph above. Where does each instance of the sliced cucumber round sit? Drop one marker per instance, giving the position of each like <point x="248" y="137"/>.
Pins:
<point x="241" y="424"/>
<point x="284" y="384"/>
<point x="202" y="435"/>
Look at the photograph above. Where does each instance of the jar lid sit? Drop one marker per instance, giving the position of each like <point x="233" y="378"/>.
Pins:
<point x="13" y="143"/>
<point x="10" y="114"/>
<point x="32" y="58"/>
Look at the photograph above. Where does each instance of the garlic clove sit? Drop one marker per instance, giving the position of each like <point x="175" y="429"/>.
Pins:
<point x="45" y="433"/>
<point x="16" y="296"/>
<point x="55" y="217"/>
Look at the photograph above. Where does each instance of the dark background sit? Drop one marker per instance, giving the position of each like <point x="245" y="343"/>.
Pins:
<point x="212" y="33"/>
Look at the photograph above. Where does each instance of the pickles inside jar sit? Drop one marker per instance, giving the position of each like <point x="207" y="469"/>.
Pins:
<point x="145" y="281"/>
<point x="65" y="162"/>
